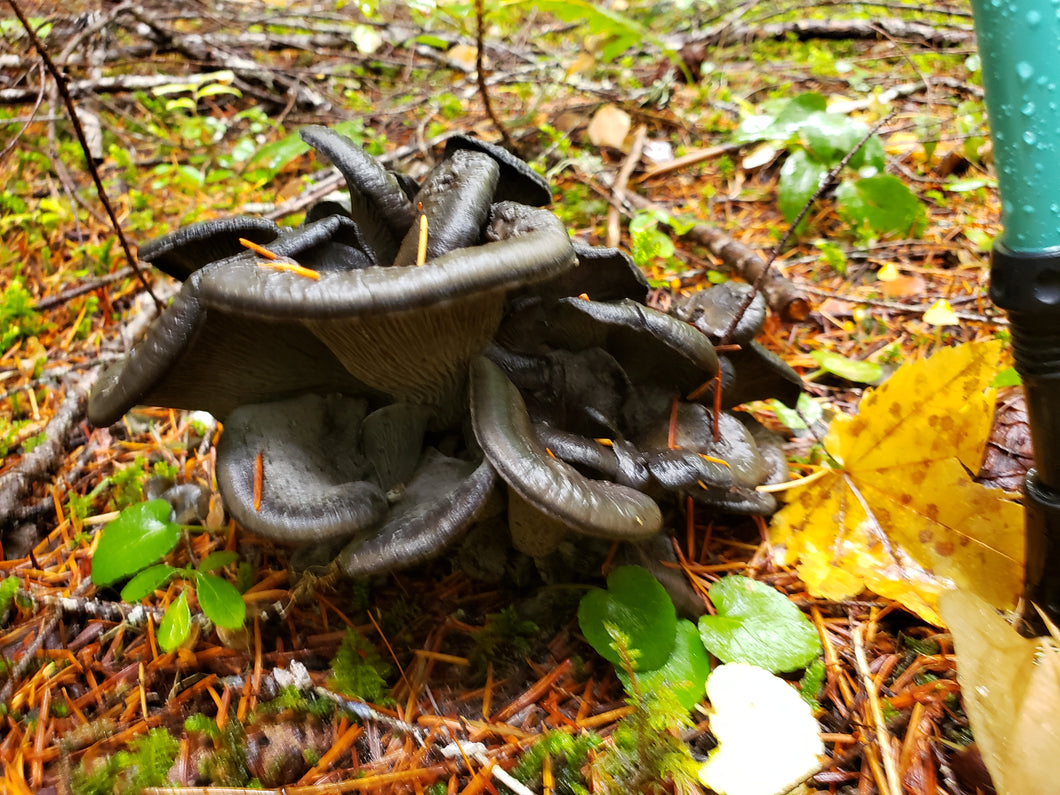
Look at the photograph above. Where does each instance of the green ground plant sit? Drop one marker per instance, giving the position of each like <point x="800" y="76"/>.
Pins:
<point x="816" y="140"/>
<point x="129" y="548"/>
<point x="145" y="764"/>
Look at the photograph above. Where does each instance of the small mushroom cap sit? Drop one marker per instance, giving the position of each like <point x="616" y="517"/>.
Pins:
<point x="694" y="436"/>
<point x="690" y="466"/>
<point x="364" y="176"/>
<point x="184" y="251"/>
<point x="392" y="440"/>
<point x="531" y="245"/>
<point x="455" y="199"/>
<point x="518" y="182"/>
<point x="612" y="459"/>
<point x="650" y="345"/>
<point x="215" y="361"/>
<point x="506" y="435"/>
<point x="770" y="446"/>
<point x="313" y="485"/>
<point x="712" y="310"/>
<point x="441" y="501"/>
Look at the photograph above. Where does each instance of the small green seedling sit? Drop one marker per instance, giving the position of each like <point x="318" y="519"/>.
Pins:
<point x="130" y="546"/>
<point x="663" y="664"/>
<point x="817" y="140"/>
<point x="634" y="625"/>
<point x="635" y="612"/>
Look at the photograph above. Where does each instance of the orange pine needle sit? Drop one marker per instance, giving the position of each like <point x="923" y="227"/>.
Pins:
<point x="421" y="250"/>
<point x="259" y="479"/>
<point x="714" y="460"/>
<point x="291" y="267"/>
<point x="671" y="432"/>
<point x="261" y="251"/>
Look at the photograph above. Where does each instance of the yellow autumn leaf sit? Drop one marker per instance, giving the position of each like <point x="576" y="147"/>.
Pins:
<point x="1010" y="686"/>
<point x="900" y="514"/>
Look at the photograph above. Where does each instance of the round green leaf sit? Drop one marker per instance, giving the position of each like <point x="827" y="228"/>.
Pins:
<point x="796" y="112"/>
<point x="635" y="612"/>
<point x="757" y="625"/>
<point x="871" y="155"/>
<point x="176" y="624"/>
<point x="140" y="535"/>
<point x="800" y="176"/>
<point x="884" y="202"/>
<point x="218" y="560"/>
<point x="220" y="601"/>
<point x="146" y="582"/>
<point x="829" y="136"/>
<point x="684" y="672"/>
<point x="850" y="369"/>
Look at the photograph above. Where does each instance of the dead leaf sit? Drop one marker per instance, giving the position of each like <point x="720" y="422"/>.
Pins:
<point x="609" y="127"/>
<point x="1011" y="690"/>
<point x="463" y="56"/>
<point x="900" y="514"/>
<point x="583" y="63"/>
<point x="904" y="286"/>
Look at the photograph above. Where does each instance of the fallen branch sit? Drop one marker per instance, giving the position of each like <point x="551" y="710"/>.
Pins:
<point x="40" y="462"/>
<point x="924" y="33"/>
<point x="781" y="293"/>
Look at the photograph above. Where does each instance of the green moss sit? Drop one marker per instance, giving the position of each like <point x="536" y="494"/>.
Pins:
<point x="357" y="670"/>
<point x="507" y="635"/>
<point x="145" y="764"/>
<point x="567" y="755"/>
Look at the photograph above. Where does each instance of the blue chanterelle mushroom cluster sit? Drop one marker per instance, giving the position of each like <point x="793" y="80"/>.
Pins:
<point x="380" y="387"/>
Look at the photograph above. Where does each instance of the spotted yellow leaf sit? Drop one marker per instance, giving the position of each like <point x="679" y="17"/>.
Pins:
<point x="900" y="515"/>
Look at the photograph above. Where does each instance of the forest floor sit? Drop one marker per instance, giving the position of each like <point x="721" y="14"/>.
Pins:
<point x="191" y="112"/>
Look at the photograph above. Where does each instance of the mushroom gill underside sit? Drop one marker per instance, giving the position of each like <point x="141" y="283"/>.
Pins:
<point x="384" y="367"/>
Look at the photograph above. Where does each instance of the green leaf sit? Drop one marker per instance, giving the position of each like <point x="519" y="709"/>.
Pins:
<point x="220" y="601"/>
<point x="8" y="589"/>
<point x="806" y="410"/>
<point x="278" y="154"/>
<point x="140" y="535"/>
<point x="757" y="625"/>
<point x="830" y="136"/>
<point x="968" y="185"/>
<point x="800" y="176"/>
<point x="1007" y="377"/>
<point x="795" y="113"/>
<point x="639" y="609"/>
<point x="871" y="155"/>
<point x="176" y="624"/>
<point x="884" y="202"/>
<point x="146" y="582"/>
<point x="429" y="40"/>
<point x="850" y="369"/>
<point x="217" y="560"/>
<point x="683" y="674"/>
<point x="812" y="681"/>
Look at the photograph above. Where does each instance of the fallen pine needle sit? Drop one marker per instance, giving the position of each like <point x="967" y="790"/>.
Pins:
<point x="259" y="479"/>
<point x="291" y="267"/>
<point x="772" y="488"/>
<point x="261" y="251"/>
<point x="421" y="250"/>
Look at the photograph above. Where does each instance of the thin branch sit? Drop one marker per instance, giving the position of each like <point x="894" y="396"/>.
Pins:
<point x="480" y="76"/>
<point x="60" y="82"/>
<point x="825" y="184"/>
